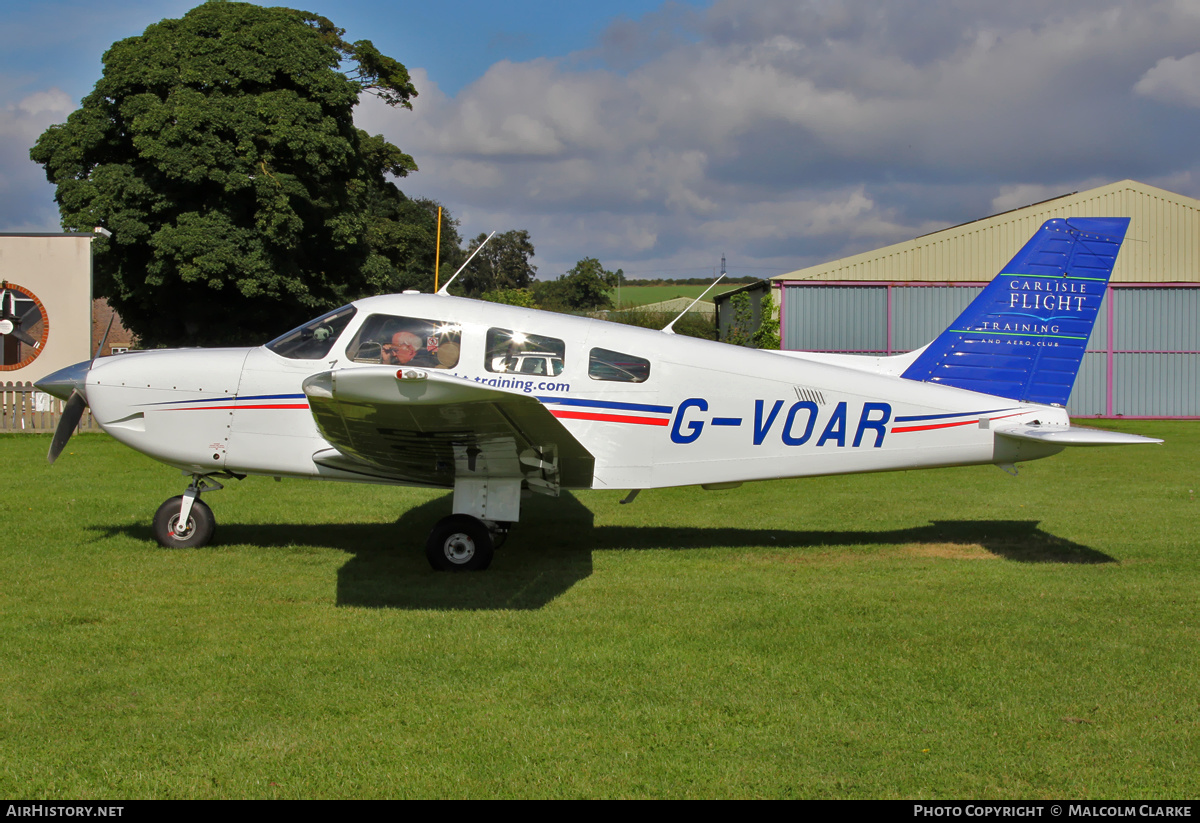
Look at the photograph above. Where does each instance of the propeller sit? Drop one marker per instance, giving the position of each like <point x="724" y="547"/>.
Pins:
<point x="71" y="415"/>
<point x="70" y="384"/>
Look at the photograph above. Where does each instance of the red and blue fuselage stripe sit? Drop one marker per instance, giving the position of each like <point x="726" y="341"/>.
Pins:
<point x="914" y="418"/>
<point x="595" y="410"/>
<point x="971" y="417"/>
<point x="605" y="411"/>
<point x="236" y="402"/>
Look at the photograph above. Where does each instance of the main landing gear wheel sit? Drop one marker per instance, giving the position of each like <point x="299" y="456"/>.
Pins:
<point x="199" y="529"/>
<point x="459" y="543"/>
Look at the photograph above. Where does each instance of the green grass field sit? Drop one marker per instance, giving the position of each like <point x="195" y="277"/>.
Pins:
<point x="943" y="634"/>
<point x="641" y="295"/>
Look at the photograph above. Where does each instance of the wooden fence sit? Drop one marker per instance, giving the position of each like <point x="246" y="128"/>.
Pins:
<point x="25" y="409"/>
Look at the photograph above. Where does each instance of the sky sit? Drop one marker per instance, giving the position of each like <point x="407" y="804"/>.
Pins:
<point x="657" y="136"/>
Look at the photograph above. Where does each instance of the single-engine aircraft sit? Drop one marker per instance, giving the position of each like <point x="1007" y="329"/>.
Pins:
<point x="498" y="402"/>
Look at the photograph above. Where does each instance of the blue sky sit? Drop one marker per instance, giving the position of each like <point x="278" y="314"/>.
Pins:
<point x="60" y="42"/>
<point x="657" y="136"/>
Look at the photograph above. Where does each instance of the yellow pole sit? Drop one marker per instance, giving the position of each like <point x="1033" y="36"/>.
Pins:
<point x="437" y="252"/>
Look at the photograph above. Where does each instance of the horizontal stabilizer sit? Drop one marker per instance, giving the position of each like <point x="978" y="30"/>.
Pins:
<point x="1074" y="436"/>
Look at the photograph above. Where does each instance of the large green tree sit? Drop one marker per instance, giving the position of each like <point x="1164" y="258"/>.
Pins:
<point x="585" y="287"/>
<point x="502" y="264"/>
<point x="409" y="237"/>
<point x="220" y="151"/>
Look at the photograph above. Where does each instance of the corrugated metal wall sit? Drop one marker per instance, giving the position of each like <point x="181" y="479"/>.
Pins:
<point x="1156" y="385"/>
<point x="920" y="314"/>
<point x="1151" y="369"/>
<point x="1156" y="351"/>
<point x="1156" y="319"/>
<point x="836" y="318"/>
<point x="1088" y="398"/>
<point x="856" y="318"/>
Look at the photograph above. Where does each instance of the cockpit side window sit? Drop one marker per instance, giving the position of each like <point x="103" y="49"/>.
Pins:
<point x="314" y="339"/>
<point x="514" y="352"/>
<point x="617" y="367"/>
<point x="406" y="341"/>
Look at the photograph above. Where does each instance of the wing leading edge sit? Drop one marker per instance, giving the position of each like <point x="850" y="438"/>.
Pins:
<point x="430" y="428"/>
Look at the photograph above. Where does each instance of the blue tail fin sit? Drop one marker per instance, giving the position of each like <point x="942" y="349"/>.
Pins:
<point x="1024" y="336"/>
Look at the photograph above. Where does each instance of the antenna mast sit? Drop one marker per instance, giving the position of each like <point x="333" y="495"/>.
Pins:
<point x="670" y="327"/>
<point x="442" y="290"/>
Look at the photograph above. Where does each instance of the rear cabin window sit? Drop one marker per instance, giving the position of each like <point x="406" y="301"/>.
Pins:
<point x="616" y="367"/>
<point x="314" y="339"/>
<point x="406" y="341"/>
<point x="514" y="352"/>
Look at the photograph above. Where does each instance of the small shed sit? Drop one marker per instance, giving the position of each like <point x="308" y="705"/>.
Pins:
<point x="725" y="309"/>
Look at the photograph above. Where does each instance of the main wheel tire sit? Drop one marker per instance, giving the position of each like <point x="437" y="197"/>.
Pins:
<point x="201" y="525"/>
<point x="459" y="543"/>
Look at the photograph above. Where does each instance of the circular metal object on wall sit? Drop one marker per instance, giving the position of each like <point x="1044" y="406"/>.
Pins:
<point x="24" y="327"/>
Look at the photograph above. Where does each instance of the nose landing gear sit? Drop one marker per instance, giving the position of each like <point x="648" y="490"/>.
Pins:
<point x="185" y="521"/>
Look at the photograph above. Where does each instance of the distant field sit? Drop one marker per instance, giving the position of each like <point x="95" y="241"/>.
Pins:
<point x="957" y="633"/>
<point x="641" y="295"/>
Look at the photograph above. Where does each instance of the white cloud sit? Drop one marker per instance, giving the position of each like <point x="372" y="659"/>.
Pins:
<point x="1173" y="80"/>
<point x="26" y="199"/>
<point x="1025" y="194"/>
<point x="795" y="131"/>
<point x="33" y="113"/>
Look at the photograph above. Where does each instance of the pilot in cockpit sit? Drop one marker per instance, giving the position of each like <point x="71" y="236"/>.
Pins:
<point x="407" y="349"/>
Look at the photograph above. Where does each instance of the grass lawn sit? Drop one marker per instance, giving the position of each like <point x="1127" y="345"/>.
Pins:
<point x="943" y="634"/>
<point x="641" y="295"/>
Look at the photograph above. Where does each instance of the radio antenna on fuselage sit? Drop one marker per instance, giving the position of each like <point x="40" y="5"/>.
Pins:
<point x="442" y="290"/>
<point x="669" y="328"/>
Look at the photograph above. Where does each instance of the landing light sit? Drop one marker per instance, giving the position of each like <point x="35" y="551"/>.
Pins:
<point x="410" y="374"/>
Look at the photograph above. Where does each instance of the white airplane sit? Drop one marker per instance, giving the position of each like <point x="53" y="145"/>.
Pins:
<point x="499" y="402"/>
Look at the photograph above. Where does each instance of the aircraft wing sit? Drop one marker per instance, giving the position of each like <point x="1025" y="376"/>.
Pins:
<point x="427" y="427"/>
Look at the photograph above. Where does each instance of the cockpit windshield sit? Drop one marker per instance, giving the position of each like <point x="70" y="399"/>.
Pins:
<point x="314" y="339"/>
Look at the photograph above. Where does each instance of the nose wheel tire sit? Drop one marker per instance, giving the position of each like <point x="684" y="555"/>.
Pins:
<point x="196" y="533"/>
<point x="459" y="543"/>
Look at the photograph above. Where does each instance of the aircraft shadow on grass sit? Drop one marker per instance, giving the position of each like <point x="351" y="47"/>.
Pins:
<point x="552" y="550"/>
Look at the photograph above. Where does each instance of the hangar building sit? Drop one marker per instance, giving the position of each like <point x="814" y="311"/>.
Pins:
<point x="1143" y="359"/>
